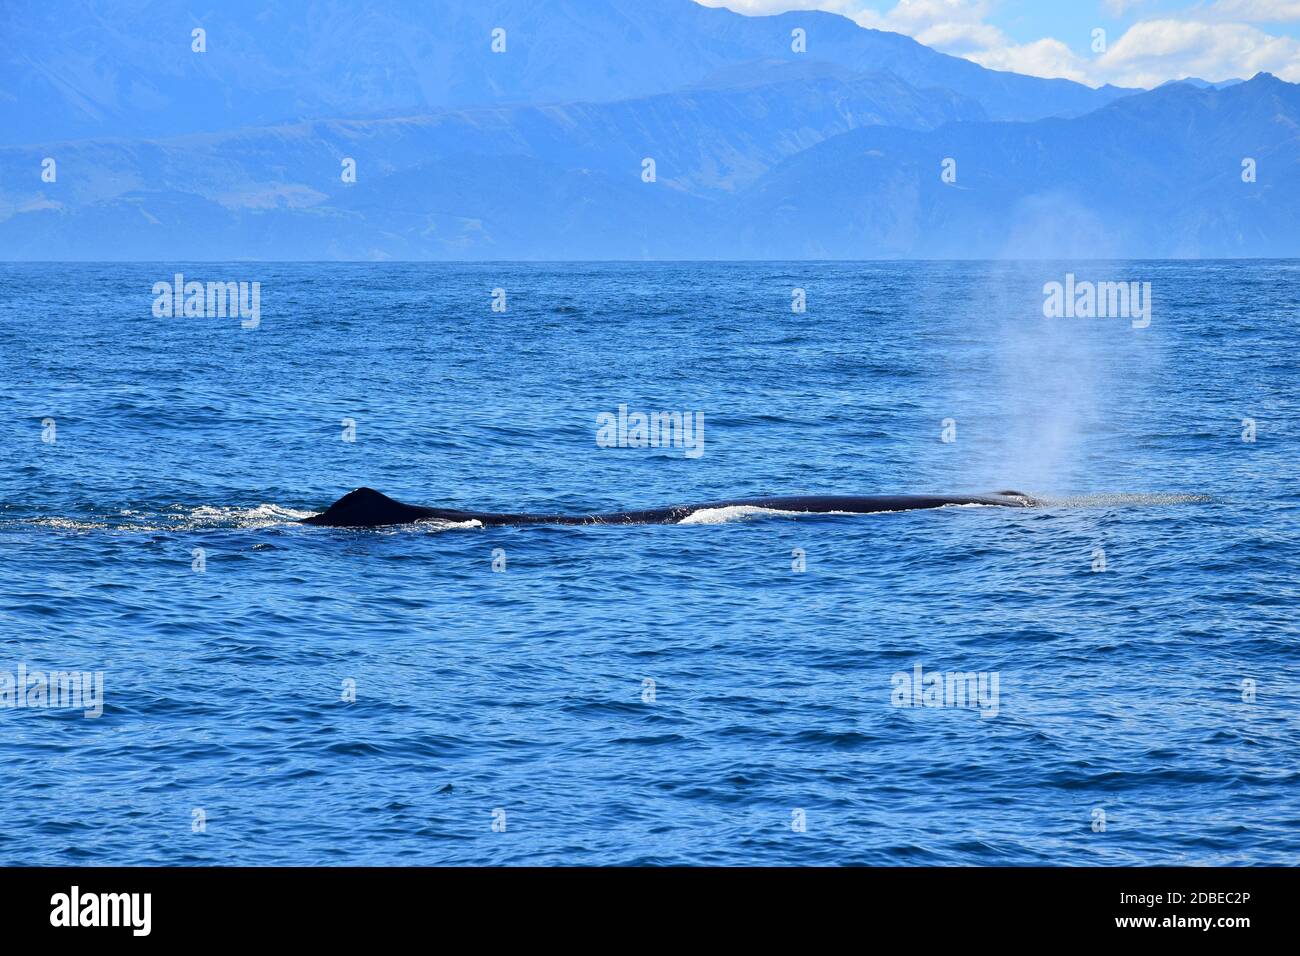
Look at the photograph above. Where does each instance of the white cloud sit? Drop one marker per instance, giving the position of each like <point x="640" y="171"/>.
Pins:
<point x="960" y="27"/>
<point x="952" y="25"/>
<point x="1154" y="51"/>
<point x="1257" y="11"/>
<point x="1046" y="57"/>
<point x="1215" y="40"/>
<point x="1118" y="8"/>
<point x="961" y="38"/>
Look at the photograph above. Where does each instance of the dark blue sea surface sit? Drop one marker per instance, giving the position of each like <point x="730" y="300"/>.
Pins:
<point x="1146" y="713"/>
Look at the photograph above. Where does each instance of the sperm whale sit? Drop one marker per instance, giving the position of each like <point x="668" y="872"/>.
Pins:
<point x="367" y="508"/>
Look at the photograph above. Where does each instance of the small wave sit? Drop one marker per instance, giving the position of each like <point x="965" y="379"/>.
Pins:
<point x="732" y="513"/>
<point x="262" y="516"/>
<point x="201" y="518"/>
<point x="69" y="524"/>
<point x="437" y="524"/>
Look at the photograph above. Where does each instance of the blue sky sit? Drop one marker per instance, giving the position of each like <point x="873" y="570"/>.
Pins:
<point x="1146" y="42"/>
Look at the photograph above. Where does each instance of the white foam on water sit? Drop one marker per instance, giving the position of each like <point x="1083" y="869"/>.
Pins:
<point x="202" y="518"/>
<point x="261" y="516"/>
<point x="69" y="524"/>
<point x="438" y="524"/>
<point x="732" y="513"/>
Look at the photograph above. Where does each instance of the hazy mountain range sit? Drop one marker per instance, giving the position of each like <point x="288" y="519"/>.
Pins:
<point x="538" y="152"/>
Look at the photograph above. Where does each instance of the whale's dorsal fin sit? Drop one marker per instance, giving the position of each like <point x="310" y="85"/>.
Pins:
<point x="362" y="496"/>
<point x="365" y="508"/>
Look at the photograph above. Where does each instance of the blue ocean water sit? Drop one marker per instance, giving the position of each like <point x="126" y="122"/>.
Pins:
<point x="667" y="694"/>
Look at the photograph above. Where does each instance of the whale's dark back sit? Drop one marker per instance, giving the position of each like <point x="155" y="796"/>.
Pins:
<point x="367" y="508"/>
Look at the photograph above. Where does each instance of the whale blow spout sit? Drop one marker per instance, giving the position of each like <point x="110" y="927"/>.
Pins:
<point x="367" y="508"/>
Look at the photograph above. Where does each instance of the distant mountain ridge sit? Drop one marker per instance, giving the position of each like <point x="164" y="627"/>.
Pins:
<point x="1155" y="175"/>
<point x="753" y="156"/>
<point x="1204" y="84"/>
<point x="79" y="69"/>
